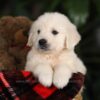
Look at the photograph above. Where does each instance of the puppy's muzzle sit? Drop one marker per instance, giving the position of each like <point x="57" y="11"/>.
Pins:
<point x="43" y="44"/>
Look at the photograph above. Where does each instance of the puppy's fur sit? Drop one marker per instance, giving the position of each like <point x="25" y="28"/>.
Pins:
<point x="55" y="60"/>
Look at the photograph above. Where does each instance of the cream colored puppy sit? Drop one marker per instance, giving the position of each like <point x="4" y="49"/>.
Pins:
<point x="52" y="58"/>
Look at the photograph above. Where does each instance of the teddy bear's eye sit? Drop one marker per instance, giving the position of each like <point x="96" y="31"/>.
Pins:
<point x="38" y="31"/>
<point x="54" y="32"/>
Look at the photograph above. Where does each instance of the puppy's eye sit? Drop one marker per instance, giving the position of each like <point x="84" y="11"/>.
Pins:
<point x="54" y="32"/>
<point x="38" y="31"/>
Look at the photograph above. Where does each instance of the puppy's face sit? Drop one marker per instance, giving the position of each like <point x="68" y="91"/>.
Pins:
<point x="48" y="37"/>
<point x="49" y="32"/>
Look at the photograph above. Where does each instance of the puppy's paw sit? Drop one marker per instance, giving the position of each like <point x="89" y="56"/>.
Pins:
<point x="45" y="79"/>
<point x="61" y="78"/>
<point x="60" y="81"/>
<point x="44" y="74"/>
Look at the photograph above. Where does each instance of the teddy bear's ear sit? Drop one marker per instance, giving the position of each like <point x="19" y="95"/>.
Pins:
<point x="30" y="37"/>
<point x="72" y="37"/>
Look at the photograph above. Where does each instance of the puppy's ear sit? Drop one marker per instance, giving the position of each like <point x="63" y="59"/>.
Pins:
<point x="30" y="38"/>
<point x="72" y="37"/>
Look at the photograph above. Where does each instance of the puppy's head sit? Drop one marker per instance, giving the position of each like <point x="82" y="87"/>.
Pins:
<point x="53" y="32"/>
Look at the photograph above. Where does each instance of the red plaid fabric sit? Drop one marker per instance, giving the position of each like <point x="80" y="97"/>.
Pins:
<point x="21" y="85"/>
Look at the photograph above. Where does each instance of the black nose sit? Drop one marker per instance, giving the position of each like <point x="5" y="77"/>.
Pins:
<point x="42" y="42"/>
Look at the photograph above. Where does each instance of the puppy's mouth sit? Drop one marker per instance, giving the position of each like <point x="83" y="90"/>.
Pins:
<point x="44" y="47"/>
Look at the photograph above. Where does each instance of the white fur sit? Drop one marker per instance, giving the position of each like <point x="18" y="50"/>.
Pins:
<point x="57" y="64"/>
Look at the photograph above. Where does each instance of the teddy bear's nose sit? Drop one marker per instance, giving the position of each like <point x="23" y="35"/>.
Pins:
<point x="42" y="42"/>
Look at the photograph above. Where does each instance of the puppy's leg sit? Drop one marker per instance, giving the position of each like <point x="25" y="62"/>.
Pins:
<point x="62" y="74"/>
<point x="44" y="74"/>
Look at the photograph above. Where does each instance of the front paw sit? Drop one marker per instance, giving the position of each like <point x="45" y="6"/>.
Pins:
<point x="45" y="79"/>
<point x="61" y="78"/>
<point x="44" y="74"/>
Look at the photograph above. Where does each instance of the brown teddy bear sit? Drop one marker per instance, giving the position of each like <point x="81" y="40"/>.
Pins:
<point x="6" y="60"/>
<point x="13" y="38"/>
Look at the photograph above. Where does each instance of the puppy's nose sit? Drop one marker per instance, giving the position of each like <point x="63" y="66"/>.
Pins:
<point x="42" y="42"/>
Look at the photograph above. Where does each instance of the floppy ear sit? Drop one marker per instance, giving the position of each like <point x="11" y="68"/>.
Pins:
<point x="30" y="37"/>
<point x="72" y="37"/>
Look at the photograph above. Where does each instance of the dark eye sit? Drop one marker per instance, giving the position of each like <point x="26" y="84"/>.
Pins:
<point x="38" y="31"/>
<point x="54" y="32"/>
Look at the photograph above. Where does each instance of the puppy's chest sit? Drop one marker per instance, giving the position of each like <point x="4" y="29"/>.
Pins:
<point x="53" y="60"/>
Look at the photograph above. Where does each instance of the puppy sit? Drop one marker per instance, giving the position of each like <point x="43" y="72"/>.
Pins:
<point x="52" y="59"/>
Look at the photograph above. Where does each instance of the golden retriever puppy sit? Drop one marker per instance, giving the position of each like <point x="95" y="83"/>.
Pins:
<point x="52" y="58"/>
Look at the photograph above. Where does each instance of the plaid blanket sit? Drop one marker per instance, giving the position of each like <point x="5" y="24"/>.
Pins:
<point x="21" y="85"/>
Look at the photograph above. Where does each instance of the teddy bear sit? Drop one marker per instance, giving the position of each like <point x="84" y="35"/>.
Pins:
<point x="6" y="60"/>
<point x="13" y="38"/>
